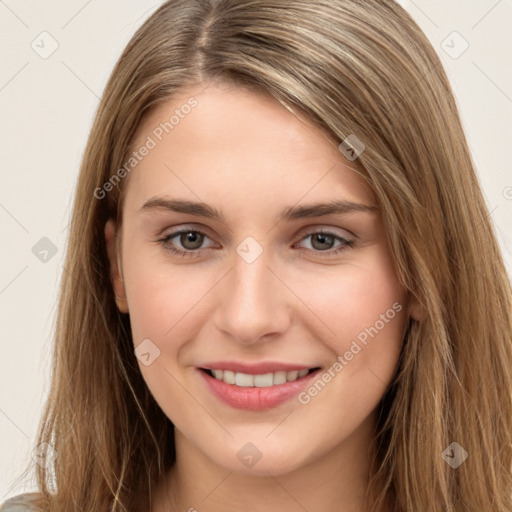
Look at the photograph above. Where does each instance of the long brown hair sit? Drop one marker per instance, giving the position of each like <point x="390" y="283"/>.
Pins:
<point x="351" y="67"/>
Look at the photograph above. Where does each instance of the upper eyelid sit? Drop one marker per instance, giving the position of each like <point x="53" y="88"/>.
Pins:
<point x="205" y="230"/>
<point x="184" y="229"/>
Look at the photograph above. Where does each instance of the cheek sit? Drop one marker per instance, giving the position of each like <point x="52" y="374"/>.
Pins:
<point x="363" y="316"/>
<point x="158" y="295"/>
<point x="161" y="308"/>
<point x="362" y="311"/>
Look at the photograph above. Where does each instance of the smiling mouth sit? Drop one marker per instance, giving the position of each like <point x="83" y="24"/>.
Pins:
<point x="259" y="381"/>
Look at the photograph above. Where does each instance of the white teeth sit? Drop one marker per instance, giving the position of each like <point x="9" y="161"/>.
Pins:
<point x="244" y="380"/>
<point x="260" y="381"/>
<point x="279" y="377"/>
<point x="228" y="377"/>
<point x="264" y="381"/>
<point x="292" y="375"/>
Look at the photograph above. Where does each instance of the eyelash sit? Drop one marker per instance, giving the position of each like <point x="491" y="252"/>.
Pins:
<point x="345" y="243"/>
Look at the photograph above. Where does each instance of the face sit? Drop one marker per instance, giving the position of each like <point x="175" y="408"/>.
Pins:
<point x="266" y="327"/>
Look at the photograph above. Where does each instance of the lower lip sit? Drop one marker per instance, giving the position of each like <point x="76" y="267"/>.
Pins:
<point x="253" y="398"/>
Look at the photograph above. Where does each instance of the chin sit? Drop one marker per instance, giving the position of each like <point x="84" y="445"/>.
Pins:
<point x="260" y="457"/>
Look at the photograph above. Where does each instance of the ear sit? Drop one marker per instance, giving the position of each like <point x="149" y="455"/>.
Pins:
<point x="114" y="256"/>
<point x="416" y="309"/>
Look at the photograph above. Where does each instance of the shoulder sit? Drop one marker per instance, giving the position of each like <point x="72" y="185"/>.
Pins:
<point x="20" y="503"/>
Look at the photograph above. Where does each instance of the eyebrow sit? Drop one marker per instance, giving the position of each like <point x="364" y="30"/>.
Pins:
<point x="290" y="213"/>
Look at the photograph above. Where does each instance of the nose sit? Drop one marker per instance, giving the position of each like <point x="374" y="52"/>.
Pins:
<point x="253" y="304"/>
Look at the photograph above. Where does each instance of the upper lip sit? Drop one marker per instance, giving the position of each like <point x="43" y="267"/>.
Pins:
<point x="254" y="368"/>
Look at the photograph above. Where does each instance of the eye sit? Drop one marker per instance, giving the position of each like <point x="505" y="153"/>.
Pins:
<point x="322" y="241"/>
<point x="190" y="239"/>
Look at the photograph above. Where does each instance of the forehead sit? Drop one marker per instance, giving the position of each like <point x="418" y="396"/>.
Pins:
<point x="226" y="139"/>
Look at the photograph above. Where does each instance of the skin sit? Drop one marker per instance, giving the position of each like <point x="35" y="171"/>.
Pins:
<point x="249" y="157"/>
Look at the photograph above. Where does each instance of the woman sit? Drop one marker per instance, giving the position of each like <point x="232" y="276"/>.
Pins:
<point x="211" y="353"/>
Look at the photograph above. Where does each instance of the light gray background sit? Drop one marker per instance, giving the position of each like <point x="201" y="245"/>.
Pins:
<point x="47" y="107"/>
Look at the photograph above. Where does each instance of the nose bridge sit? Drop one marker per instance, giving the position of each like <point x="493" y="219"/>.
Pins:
<point x="254" y="300"/>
